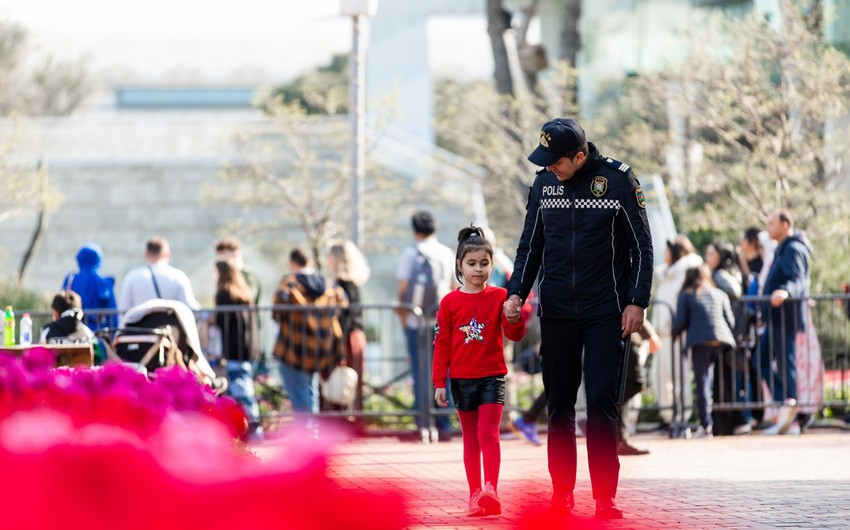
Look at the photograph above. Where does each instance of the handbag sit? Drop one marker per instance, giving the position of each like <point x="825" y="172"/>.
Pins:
<point x="340" y="387"/>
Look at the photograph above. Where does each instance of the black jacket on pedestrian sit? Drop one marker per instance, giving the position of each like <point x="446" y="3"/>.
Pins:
<point x="67" y="329"/>
<point x="598" y="247"/>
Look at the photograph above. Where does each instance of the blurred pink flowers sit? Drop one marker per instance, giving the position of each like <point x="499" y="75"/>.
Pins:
<point x="105" y="448"/>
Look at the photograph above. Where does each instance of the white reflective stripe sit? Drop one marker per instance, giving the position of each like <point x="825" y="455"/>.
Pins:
<point x="613" y="258"/>
<point x="637" y="245"/>
<point x="528" y="252"/>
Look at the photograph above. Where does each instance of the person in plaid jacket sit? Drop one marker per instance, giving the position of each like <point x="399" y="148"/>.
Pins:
<point x="310" y="339"/>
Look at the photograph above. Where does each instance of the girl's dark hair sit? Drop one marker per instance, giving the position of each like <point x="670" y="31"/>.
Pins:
<point x="697" y="277"/>
<point x="732" y="261"/>
<point x="469" y="239"/>
<point x="728" y="256"/>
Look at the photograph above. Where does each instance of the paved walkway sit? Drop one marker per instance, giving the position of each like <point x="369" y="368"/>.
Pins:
<point x="726" y="482"/>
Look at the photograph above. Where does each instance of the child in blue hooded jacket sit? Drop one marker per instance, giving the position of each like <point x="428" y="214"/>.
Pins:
<point x="96" y="291"/>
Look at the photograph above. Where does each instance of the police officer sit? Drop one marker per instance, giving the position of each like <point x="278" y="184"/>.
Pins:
<point x="587" y="237"/>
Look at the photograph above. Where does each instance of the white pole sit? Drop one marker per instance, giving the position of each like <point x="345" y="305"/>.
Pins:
<point x="357" y="113"/>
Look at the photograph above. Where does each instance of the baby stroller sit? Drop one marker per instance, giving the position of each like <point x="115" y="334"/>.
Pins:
<point x="161" y="333"/>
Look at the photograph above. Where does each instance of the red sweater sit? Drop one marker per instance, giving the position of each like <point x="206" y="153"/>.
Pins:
<point x="469" y="336"/>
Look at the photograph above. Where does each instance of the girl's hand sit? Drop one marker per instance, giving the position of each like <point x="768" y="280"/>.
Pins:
<point x="512" y="309"/>
<point x="440" y="397"/>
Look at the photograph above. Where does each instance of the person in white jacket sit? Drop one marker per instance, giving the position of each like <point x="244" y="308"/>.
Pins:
<point x="679" y="256"/>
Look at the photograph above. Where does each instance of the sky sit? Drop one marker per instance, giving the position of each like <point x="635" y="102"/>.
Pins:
<point x="185" y="39"/>
<point x="245" y="42"/>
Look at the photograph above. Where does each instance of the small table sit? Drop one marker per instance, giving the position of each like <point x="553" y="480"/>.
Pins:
<point x="66" y="354"/>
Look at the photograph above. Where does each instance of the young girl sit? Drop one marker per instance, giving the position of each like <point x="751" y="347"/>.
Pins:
<point x="704" y="312"/>
<point x="468" y="346"/>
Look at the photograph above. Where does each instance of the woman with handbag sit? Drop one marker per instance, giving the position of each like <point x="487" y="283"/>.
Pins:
<point x="348" y="267"/>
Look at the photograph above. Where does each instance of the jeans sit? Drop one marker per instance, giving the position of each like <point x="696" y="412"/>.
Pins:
<point x="412" y="336"/>
<point x="240" y="376"/>
<point x="302" y="389"/>
<point x="779" y="344"/>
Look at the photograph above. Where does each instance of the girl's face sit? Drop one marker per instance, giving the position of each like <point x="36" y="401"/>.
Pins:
<point x="475" y="266"/>
<point x="712" y="257"/>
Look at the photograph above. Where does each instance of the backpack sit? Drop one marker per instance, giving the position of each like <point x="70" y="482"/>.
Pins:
<point x="421" y="286"/>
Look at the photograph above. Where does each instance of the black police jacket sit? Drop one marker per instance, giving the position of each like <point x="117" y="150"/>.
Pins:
<point x="589" y="240"/>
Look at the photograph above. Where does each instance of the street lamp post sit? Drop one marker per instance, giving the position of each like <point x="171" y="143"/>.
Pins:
<point x="359" y="11"/>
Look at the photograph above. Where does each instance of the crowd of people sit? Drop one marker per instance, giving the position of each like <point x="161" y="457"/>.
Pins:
<point x="739" y="352"/>
<point x="87" y="310"/>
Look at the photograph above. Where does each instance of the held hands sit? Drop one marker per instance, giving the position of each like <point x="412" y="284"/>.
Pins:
<point x="512" y="309"/>
<point x="632" y="319"/>
<point x="440" y="397"/>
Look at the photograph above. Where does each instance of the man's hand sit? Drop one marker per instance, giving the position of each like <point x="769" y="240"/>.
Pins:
<point x="512" y="309"/>
<point x="440" y="397"/>
<point x="633" y="317"/>
<point x="778" y="297"/>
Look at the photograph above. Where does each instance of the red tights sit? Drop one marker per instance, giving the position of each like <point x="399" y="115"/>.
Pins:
<point x="480" y="429"/>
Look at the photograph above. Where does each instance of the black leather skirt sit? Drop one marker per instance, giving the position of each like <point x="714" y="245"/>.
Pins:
<point x="469" y="394"/>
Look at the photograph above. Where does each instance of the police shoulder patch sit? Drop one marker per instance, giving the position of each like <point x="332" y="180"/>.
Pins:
<point x="641" y="198"/>
<point x="616" y="164"/>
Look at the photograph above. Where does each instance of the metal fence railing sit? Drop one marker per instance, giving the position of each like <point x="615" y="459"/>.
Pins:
<point x="799" y="350"/>
<point x="385" y="399"/>
<point x="386" y="390"/>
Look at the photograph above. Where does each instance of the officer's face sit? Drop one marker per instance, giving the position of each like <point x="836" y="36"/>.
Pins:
<point x="566" y="167"/>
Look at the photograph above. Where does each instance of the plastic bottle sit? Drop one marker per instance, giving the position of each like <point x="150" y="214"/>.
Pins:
<point x="9" y="327"/>
<point x="26" y="330"/>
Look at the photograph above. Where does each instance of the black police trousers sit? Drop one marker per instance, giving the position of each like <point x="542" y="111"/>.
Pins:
<point x="563" y="341"/>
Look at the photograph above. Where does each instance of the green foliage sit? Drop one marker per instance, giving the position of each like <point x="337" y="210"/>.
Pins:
<point x="322" y="91"/>
<point x="290" y="166"/>
<point x="12" y="294"/>
<point x="497" y="132"/>
<point x="752" y="116"/>
<point x="30" y="86"/>
<point x="293" y="167"/>
<point x="34" y="84"/>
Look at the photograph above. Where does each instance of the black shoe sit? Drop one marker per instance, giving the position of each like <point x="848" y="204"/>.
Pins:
<point x="562" y="503"/>
<point x="608" y="509"/>
<point x="444" y="436"/>
<point x="626" y="449"/>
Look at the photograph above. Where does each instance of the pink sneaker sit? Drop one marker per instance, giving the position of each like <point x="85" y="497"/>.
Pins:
<point x="489" y="501"/>
<point x="474" y="509"/>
